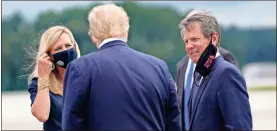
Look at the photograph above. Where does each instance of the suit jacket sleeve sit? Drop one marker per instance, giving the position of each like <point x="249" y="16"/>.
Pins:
<point x="173" y="117"/>
<point x="75" y="99"/>
<point x="233" y="101"/>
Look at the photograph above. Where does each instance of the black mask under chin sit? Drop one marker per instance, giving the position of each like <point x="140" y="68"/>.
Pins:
<point x="206" y="59"/>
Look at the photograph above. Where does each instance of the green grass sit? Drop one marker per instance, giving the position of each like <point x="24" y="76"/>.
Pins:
<point x="263" y="88"/>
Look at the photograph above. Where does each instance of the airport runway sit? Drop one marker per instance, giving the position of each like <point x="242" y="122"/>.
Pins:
<point x="16" y="111"/>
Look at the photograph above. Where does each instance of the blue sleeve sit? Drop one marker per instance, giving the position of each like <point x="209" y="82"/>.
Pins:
<point x="75" y="97"/>
<point x="33" y="89"/>
<point x="233" y="101"/>
<point x="173" y="117"/>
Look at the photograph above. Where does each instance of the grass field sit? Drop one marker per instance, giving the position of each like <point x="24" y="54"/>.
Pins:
<point x="263" y="88"/>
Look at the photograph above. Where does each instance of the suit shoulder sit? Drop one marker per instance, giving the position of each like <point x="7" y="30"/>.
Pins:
<point x="181" y="62"/>
<point x="229" y="73"/>
<point x="227" y="67"/>
<point x="222" y="50"/>
<point x="151" y="57"/>
<point x="225" y="52"/>
<point x="92" y="55"/>
<point x="85" y="61"/>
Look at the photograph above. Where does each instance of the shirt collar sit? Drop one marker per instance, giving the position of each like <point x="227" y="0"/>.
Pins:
<point x="217" y="54"/>
<point x="109" y="40"/>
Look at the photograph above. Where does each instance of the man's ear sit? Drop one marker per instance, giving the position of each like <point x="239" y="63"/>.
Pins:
<point x="94" y="39"/>
<point x="215" y="39"/>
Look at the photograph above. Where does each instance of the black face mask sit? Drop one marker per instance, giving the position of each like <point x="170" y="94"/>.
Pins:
<point x="63" y="58"/>
<point x="206" y="59"/>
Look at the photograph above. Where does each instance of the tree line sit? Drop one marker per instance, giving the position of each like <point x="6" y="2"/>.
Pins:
<point x="153" y="30"/>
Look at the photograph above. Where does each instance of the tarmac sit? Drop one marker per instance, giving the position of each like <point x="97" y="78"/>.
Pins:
<point x="16" y="111"/>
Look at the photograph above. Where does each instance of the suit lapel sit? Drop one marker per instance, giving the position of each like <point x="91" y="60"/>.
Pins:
<point x="181" y="79"/>
<point x="202" y="88"/>
<point x="198" y="97"/>
<point x="182" y="75"/>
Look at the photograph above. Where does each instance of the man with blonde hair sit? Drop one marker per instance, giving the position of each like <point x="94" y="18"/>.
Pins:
<point x="116" y="87"/>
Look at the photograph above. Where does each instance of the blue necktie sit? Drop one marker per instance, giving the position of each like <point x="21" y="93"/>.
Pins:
<point x="188" y="81"/>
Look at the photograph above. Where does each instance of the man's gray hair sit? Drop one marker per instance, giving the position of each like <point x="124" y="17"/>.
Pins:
<point x="207" y="21"/>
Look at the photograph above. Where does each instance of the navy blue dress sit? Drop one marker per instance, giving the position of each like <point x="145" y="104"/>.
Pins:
<point x="55" y="117"/>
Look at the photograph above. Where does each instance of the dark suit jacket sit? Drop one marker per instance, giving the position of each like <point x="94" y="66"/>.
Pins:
<point x="118" y="88"/>
<point x="181" y="71"/>
<point x="222" y="101"/>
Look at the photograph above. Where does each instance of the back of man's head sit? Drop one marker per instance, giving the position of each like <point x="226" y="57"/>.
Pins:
<point x="108" y="21"/>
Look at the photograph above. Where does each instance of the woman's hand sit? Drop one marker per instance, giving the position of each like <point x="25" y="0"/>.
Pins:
<point x="44" y="66"/>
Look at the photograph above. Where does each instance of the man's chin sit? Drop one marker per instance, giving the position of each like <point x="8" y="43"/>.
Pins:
<point x="194" y="60"/>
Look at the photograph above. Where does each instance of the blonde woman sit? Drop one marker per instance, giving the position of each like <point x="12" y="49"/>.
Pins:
<point x="57" y="48"/>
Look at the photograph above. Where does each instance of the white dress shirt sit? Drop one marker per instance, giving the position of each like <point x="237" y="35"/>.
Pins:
<point x="109" y="40"/>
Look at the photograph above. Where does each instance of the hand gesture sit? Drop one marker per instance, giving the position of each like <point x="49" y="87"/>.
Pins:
<point x="44" y="66"/>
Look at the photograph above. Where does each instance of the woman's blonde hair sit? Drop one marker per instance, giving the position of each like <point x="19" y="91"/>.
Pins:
<point x="47" y="40"/>
<point x="107" y="21"/>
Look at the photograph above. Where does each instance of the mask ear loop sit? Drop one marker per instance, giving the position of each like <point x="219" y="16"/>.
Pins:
<point x="53" y="66"/>
<point x="211" y="38"/>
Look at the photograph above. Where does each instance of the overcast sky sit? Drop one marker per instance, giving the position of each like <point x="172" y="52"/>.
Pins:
<point x="239" y="13"/>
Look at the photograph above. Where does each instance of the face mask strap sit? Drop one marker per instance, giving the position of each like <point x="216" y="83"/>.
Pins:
<point x="206" y="59"/>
